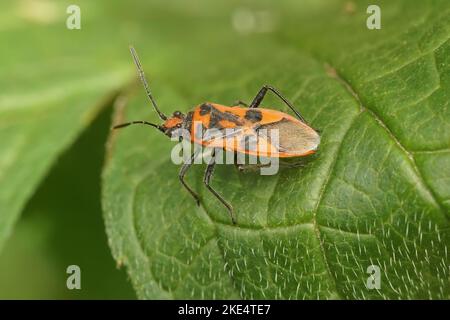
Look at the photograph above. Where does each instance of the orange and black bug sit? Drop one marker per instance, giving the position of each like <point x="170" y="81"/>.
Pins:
<point x="296" y="137"/>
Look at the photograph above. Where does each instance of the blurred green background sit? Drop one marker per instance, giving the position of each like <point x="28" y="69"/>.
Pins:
<point x="61" y="226"/>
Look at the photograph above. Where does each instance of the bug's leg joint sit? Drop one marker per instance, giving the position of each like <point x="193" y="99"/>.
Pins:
<point x="262" y="93"/>
<point x="181" y="175"/>
<point x="207" y="180"/>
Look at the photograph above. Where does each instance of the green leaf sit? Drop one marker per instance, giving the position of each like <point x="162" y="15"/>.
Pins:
<point x="65" y="230"/>
<point x="377" y="193"/>
<point x="52" y="88"/>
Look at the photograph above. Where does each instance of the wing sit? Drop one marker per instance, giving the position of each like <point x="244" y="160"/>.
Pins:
<point x="291" y="138"/>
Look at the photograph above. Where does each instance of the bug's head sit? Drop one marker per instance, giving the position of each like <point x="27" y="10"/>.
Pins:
<point x="171" y="126"/>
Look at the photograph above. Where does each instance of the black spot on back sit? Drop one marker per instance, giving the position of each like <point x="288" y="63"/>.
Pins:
<point x="253" y="115"/>
<point x="217" y="116"/>
<point x="231" y="117"/>
<point x="205" y="109"/>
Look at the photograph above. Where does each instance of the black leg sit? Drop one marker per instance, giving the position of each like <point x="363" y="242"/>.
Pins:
<point x="251" y="167"/>
<point x="240" y="103"/>
<point x="262" y="93"/>
<point x="182" y="173"/>
<point x="207" y="179"/>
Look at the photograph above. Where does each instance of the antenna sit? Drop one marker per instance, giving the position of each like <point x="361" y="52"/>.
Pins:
<point x="126" y="124"/>
<point x="144" y="82"/>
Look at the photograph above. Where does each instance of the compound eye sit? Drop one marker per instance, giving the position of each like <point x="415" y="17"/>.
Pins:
<point x="177" y="114"/>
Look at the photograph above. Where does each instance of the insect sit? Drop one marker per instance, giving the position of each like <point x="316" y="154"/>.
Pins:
<point x="295" y="137"/>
